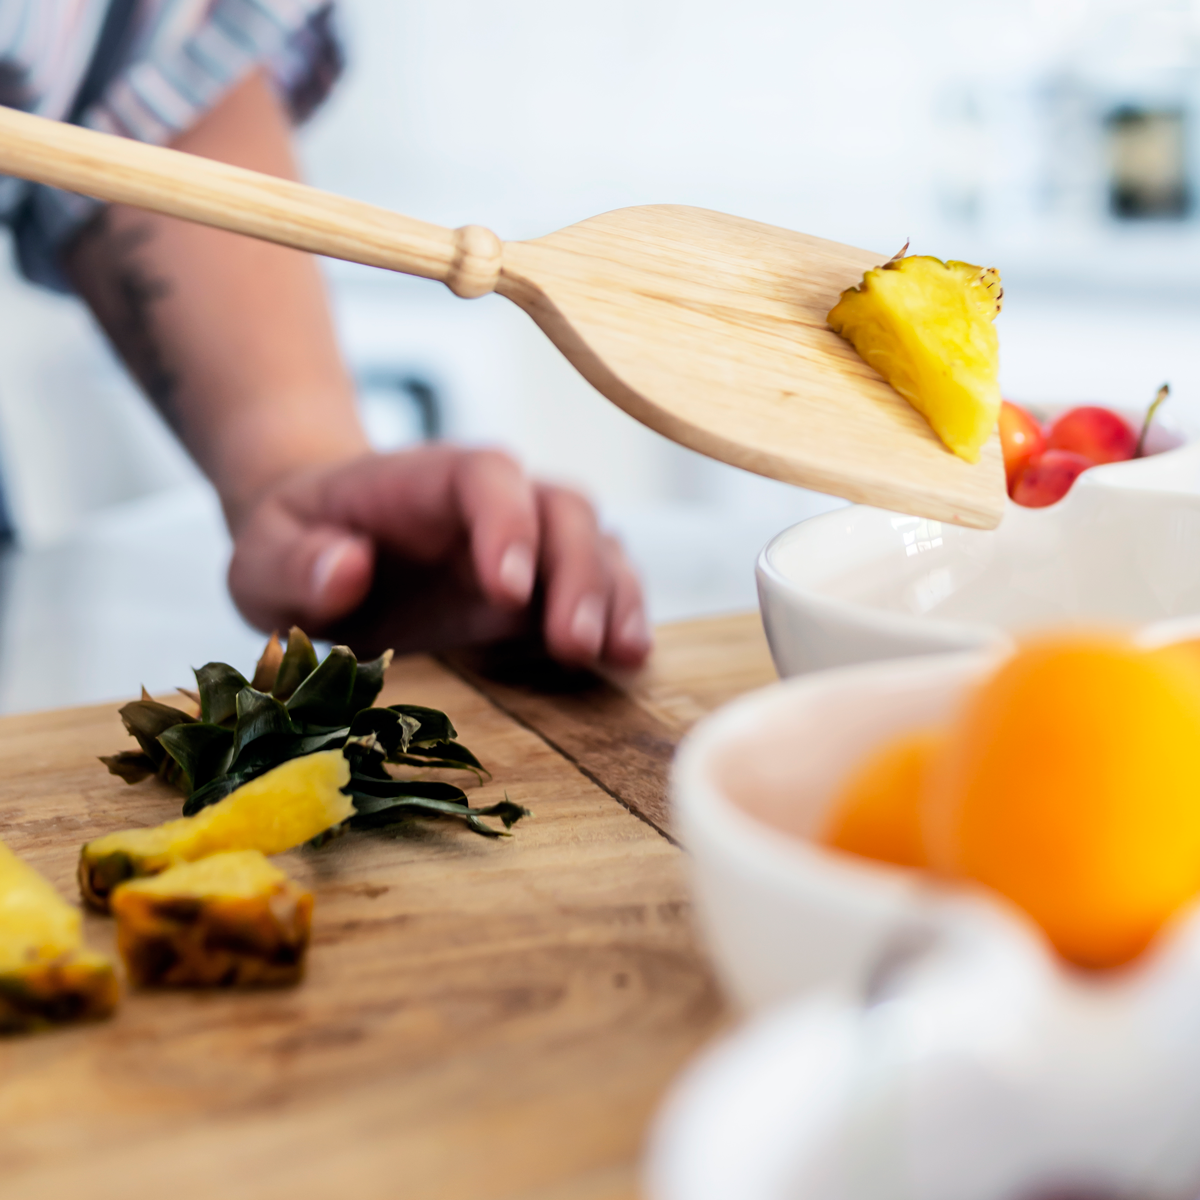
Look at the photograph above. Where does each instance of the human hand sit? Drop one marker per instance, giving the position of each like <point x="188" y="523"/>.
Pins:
<point x="436" y="547"/>
<point x="431" y="548"/>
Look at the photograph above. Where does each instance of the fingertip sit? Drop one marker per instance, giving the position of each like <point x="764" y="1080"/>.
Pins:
<point x="517" y="573"/>
<point x="341" y="576"/>
<point x="629" y="643"/>
<point x="576" y="637"/>
<point x="633" y="641"/>
<point x="587" y="626"/>
<point x="499" y="514"/>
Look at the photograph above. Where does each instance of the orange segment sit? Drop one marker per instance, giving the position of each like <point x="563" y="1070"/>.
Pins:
<point x="1071" y="784"/>
<point x="878" y="813"/>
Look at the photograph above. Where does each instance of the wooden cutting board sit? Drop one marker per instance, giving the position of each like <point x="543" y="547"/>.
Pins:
<point x="481" y="1020"/>
<point x="621" y="731"/>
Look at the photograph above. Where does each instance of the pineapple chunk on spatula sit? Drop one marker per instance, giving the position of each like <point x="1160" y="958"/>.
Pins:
<point x="708" y="328"/>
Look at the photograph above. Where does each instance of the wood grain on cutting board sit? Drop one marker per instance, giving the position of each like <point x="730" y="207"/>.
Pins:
<point x="481" y="1019"/>
<point x="622" y="731"/>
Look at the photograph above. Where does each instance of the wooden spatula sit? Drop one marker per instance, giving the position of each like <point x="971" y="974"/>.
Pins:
<point x="707" y="328"/>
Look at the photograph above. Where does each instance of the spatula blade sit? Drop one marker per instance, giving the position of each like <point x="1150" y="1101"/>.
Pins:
<point x="711" y="329"/>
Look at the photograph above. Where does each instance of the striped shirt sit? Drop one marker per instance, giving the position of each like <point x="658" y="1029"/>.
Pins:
<point x="146" y="69"/>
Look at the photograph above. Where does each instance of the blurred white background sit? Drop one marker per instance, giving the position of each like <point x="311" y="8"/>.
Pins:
<point x="1056" y="139"/>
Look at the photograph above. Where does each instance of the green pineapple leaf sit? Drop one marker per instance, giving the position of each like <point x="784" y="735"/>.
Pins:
<point x="377" y="804"/>
<point x="202" y="750"/>
<point x="392" y="730"/>
<point x="146" y="719"/>
<point x="266" y="670"/>
<point x="432" y="725"/>
<point x="405" y="738"/>
<point x="219" y="685"/>
<point x="130" y="765"/>
<point x="368" y="683"/>
<point x="258" y="716"/>
<point x="451" y="756"/>
<point x="296" y="706"/>
<point x="323" y="698"/>
<point x="298" y="663"/>
<point x="373" y="793"/>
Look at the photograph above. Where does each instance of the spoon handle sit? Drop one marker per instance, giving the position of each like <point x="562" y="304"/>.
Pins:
<point x="122" y="171"/>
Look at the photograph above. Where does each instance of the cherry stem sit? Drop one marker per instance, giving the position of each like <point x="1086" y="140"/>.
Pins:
<point x="1155" y="405"/>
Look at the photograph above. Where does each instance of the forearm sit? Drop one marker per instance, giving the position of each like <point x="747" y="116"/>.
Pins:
<point x="230" y="338"/>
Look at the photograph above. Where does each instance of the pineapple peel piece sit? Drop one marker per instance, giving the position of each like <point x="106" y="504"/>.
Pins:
<point x="926" y="327"/>
<point x="77" y="986"/>
<point x="279" y="810"/>
<point x="47" y="977"/>
<point x="230" y="920"/>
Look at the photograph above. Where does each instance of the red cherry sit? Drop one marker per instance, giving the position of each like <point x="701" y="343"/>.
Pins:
<point x="1099" y="434"/>
<point x="1048" y="478"/>
<point x="1021" y="439"/>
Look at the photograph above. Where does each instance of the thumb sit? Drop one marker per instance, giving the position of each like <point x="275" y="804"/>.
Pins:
<point x="286" y="572"/>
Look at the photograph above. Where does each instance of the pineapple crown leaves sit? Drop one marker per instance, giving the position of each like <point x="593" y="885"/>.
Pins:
<point x="296" y="705"/>
<point x="147" y="720"/>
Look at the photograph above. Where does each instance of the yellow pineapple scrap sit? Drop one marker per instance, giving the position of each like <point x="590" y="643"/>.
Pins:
<point x="286" y="807"/>
<point x="231" y="920"/>
<point x="926" y="327"/>
<point x="47" y="977"/>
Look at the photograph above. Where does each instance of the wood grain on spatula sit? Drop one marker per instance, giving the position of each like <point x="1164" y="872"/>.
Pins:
<point x="708" y="328"/>
<point x="711" y="329"/>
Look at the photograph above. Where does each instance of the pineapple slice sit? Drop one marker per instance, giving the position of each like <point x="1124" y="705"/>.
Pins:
<point x="226" y="921"/>
<point x="926" y="327"/>
<point x="46" y="975"/>
<point x="281" y="809"/>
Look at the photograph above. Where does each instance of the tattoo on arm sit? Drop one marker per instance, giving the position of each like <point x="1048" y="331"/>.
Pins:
<point x="107" y="266"/>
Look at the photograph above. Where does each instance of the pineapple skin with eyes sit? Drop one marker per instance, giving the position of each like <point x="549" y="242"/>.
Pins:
<point x="926" y="327"/>
<point x="232" y="920"/>
<point x="279" y="810"/>
<point x="46" y="975"/>
<point x="77" y="986"/>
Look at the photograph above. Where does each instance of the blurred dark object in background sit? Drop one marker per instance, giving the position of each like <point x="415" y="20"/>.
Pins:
<point x="1148" y="167"/>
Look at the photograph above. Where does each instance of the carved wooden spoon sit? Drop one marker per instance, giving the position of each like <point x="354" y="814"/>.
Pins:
<point x="708" y="328"/>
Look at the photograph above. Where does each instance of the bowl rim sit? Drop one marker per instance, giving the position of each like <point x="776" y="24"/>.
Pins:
<point x="883" y="619"/>
<point x="909" y="624"/>
<point x="698" y="799"/>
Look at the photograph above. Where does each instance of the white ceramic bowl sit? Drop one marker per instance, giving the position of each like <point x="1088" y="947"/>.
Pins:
<point x="910" y="1038"/>
<point x="936" y="1048"/>
<point x="860" y="584"/>
<point x="986" y="1074"/>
